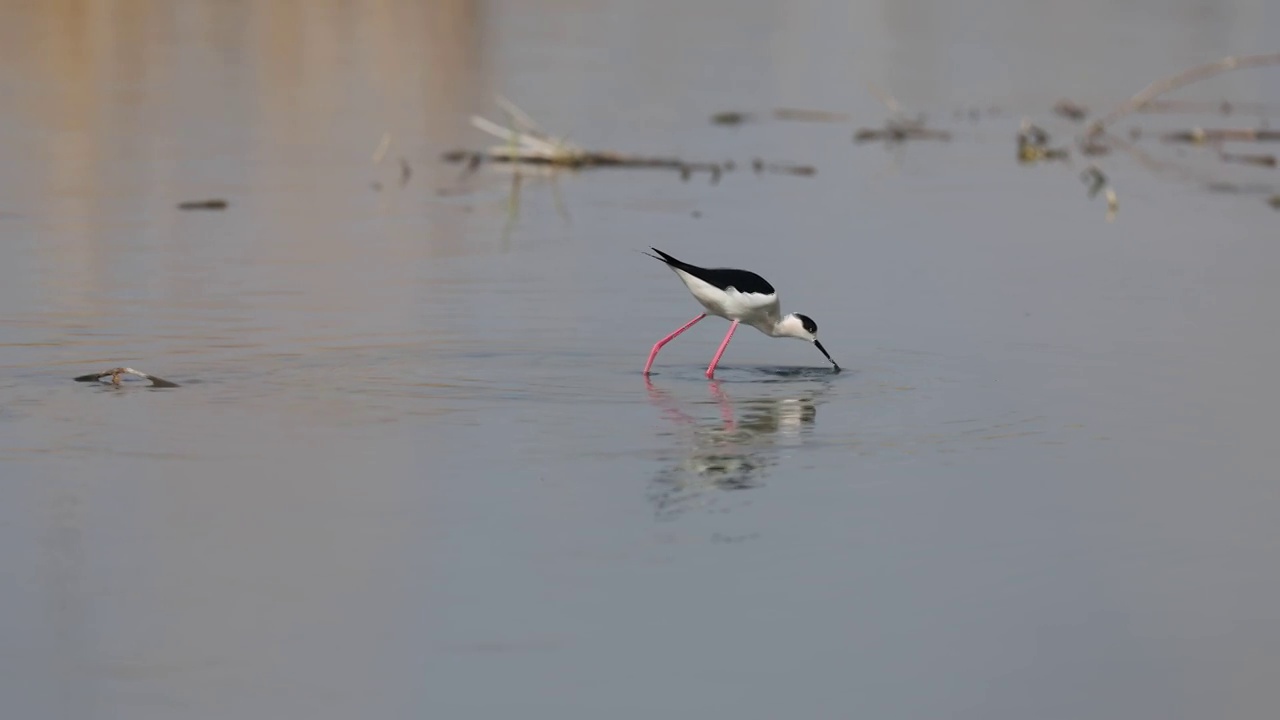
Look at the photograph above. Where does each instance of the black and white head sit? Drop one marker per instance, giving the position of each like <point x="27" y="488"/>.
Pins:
<point x="804" y="328"/>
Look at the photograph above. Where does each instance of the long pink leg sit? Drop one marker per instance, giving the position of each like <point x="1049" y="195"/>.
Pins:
<point x="711" y="369"/>
<point x="658" y="346"/>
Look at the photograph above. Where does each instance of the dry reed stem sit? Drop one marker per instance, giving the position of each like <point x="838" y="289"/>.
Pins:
<point x="1186" y="77"/>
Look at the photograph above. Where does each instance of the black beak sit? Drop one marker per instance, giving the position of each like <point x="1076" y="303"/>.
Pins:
<point x="824" y="352"/>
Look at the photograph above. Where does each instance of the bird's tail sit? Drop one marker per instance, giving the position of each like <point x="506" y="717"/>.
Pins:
<point x="664" y="257"/>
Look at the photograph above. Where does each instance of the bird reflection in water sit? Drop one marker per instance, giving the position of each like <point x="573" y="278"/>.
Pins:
<point x="733" y="451"/>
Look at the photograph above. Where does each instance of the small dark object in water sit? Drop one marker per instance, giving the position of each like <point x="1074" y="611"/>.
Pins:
<point x="1091" y="147"/>
<point x="1274" y="202"/>
<point x="1070" y="110"/>
<point x="1095" y="179"/>
<point x="115" y="373"/>
<point x="730" y="117"/>
<point x="214" y="204"/>
<point x="760" y="166"/>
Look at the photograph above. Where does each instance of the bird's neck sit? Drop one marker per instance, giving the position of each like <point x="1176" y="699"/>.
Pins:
<point x="777" y="328"/>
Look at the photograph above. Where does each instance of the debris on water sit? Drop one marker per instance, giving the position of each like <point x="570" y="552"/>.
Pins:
<point x="528" y="145"/>
<point x="899" y="131"/>
<point x="114" y="375"/>
<point x="581" y="161"/>
<point x="1033" y="145"/>
<point x="1096" y="181"/>
<point x="760" y="166"/>
<point x="1274" y="201"/>
<point x="456" y="156"/>
<point x="1200" y="136"/>
<point x="1268" y="161"/>
<point x="1181" y="79"/>
<point x="1090" y="147"/>
<point x="1113" y="204"/>
<point x="686" y="172"/>
<point x="384" y="144"/>
<point x="731" y="117"/>
<point x="1032" y="134"/>
<point x="1070" y="110"/>
<point x="802" y="115"/>
<point x="898" y="128"/>
<point x="211" y="204"/>
<point x="380" y="152"/>
<point x="1225" y="107"/>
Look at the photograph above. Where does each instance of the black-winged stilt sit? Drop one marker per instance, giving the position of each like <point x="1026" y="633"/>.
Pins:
<point x="739" y="296"/>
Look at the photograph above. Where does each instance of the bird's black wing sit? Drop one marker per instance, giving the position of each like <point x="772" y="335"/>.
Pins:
<point x="744" y="281"/>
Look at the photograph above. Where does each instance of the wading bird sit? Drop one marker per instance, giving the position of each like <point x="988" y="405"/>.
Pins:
<point x="739" y="296"/>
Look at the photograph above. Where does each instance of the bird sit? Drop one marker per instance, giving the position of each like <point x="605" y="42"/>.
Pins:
<point x="739" y="296"/>
<point x="115" y="373"/>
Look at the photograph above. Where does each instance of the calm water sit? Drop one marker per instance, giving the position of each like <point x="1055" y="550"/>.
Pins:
<point x="414" y="471"/>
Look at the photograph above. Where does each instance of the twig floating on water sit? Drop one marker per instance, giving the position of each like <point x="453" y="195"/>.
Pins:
<point x="581" y="161"/>
<point x="527" y="145"/>
<point x="802" y="115"/>
<point x="898" y="128"/>
<point x="381" y="150"/>
<point x="1200" y="136"/>
<point x="760" y="166"/>
<point x="1248" y="159"/>
<point x="212" y="204"/>
<point x="1225" y="107"/>
<point x="1186" y="77"/>
<point x="897" y="131"/>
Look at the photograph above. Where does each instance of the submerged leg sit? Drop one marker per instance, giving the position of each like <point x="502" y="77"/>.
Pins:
<point x="711" y="369"/>
<point x="658" y="346"/>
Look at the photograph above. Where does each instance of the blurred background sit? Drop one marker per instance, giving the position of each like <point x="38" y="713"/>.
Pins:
<point x="413" y="469"/>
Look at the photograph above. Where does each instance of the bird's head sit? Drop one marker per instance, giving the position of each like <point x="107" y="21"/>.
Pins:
<point x="804" y="328"/>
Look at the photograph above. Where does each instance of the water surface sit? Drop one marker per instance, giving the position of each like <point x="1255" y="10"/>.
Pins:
<point x="413" y="468"/>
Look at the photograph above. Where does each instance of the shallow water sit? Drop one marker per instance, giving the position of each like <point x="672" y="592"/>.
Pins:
<point x="413" y="467"/>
